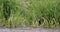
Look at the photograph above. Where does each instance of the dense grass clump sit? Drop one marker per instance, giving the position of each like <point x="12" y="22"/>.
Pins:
<point x="30" y="13"/>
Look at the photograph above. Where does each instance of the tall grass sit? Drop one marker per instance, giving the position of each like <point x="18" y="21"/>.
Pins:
<point x="31" y="13"/>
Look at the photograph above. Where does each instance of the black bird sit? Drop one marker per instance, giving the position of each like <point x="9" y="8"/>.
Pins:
<point x="41" y="21"/>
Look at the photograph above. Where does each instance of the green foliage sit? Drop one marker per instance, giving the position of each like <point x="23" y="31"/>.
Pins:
<point x="28" y="13"/>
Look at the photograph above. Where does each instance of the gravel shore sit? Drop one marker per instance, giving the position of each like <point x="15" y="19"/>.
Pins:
<point x="30" y="30"/>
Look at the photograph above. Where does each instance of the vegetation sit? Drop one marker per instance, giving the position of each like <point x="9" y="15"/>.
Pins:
<point x="30" y="13"/>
